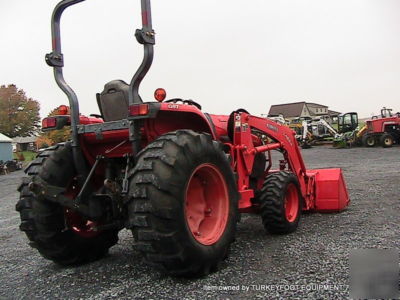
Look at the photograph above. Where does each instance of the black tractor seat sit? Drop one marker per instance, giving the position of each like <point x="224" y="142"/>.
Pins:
<point x="113" y="101"/>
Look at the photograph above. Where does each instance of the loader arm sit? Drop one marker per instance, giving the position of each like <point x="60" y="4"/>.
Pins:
<point x="321" y="189"/>
<point x="362" y="131"/>
<point x="245" y="150"/>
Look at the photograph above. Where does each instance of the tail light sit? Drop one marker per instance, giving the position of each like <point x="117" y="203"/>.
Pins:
<point x="48" y="123"/>
<point x="56" y="122"/>
<point x="139" y="109"/>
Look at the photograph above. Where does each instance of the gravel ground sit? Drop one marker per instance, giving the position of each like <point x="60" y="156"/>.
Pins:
<point x="317" y="253"/>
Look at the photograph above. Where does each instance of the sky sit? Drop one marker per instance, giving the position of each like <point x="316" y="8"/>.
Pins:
<point x="224" y="54"/>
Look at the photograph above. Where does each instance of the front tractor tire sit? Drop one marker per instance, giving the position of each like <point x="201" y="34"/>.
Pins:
<point x="63" y="238"/>
<point x="280" y="203"/>
<point x="183" y="208"/>
<point x="368" y="140"/>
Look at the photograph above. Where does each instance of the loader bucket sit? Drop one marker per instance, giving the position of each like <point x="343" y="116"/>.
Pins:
<point x="330" y="190"/>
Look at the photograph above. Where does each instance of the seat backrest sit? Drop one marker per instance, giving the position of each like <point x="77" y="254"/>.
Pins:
<point x="113" y="101"/>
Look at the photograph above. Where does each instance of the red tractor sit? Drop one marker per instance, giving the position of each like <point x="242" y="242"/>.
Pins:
<point x="175" y="176"/>
<point x="383" y="130"/>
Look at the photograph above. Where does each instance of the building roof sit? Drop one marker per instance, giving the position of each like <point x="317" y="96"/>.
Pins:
<point x="290" y="110"/>
<point x="333" y="112"/>
<point x="4" y="139"/>
<point x="316" y="105"/>
<point x="287" y="110"/>
<point x="24" y="140"/>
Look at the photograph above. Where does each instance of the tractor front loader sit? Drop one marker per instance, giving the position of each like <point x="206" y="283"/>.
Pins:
<point x="175" y="176"/>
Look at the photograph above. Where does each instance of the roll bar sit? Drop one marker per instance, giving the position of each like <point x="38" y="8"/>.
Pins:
<point x="55" y="59"/>
<point x="386" y="112"/>
<point x="144" y="36"/>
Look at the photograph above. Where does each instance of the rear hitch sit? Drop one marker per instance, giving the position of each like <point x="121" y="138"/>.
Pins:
<point x="125" y="181"/>
<point x="94" y="209"/>
<point x="55" y="194"/>
<point x="84" y="188"/>
<point x="114" y="225"/>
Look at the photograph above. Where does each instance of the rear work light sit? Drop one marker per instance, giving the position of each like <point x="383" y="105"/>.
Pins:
<point x="63" y="110"/>
<point x="139" y="109"/>
<point x="160" y="94"/>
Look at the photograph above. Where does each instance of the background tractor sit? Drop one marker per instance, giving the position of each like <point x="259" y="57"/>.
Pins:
<point x="382" y="130"/>
<point x="175" y="176"/>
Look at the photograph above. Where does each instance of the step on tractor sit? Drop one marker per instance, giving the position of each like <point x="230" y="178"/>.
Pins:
<point x="175" y="176"/>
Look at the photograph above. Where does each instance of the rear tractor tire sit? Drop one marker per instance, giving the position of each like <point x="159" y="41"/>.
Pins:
<point x="65" y="239"/>
<point x="280" y="203"/>
<point x="183" y="208"/>
<point x="386" y="140"/>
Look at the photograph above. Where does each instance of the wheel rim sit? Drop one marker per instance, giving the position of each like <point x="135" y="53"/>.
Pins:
<point x="206" y="204"/>
<point x="388" y="141"/>
<point x="291" y="203"/>
<point x="370" y="141"/>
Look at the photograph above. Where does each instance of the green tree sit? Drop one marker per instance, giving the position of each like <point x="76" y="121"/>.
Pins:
<point x="19" y="115"/>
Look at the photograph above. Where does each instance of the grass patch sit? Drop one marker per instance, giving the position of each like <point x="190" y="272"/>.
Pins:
<point x="28" y="155"/>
